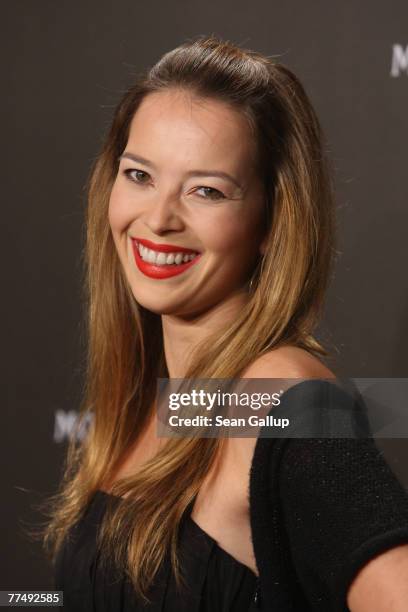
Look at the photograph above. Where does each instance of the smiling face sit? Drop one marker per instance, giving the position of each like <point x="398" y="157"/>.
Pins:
<point x="187" y="180"/>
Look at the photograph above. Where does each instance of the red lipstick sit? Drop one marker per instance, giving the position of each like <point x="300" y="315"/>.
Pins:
<point x="163" y="248"/>
<point x="161" y="271"/>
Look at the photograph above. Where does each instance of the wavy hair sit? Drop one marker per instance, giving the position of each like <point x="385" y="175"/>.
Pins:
<point x="124" y="341"/>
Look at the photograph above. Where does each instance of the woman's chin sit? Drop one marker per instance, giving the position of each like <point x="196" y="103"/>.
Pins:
<point x="162" y="306"/>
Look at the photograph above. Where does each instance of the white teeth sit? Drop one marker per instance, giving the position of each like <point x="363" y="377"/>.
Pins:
<point x="151" y="257"/>
<point x="162" y="259"/>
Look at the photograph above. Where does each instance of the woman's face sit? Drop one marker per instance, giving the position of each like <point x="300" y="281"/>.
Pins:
<point x="187" y="180"/>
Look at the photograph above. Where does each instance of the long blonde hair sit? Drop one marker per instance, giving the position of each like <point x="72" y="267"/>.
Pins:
<point x="125" y="346"/>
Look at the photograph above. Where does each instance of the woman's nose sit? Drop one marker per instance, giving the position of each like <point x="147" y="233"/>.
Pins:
<point x="163" y="213"/>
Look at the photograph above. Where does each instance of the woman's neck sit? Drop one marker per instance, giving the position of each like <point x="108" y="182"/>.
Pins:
<point x="181" y="334"/>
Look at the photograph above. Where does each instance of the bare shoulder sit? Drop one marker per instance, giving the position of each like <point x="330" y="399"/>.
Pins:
<point x="288" y="362"/>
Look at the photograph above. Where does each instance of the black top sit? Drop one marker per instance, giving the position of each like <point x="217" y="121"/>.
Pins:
<point x="215" y="581"/>
<point x="321" y="508"/>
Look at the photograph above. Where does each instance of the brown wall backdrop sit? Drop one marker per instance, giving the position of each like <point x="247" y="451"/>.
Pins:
<point x="65" y="65"/>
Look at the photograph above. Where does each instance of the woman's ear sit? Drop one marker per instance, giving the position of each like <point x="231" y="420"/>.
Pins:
<point x="262" y="246"/>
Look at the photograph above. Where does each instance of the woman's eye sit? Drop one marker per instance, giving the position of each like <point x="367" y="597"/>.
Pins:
<point x="140" y="176"/>
<point x="211" y="193"/>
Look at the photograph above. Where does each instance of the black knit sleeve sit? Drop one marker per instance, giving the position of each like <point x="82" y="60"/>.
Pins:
<point x="341" y="506"/>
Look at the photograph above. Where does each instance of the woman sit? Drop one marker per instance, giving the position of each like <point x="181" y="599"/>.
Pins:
<point x="209" y="248"/>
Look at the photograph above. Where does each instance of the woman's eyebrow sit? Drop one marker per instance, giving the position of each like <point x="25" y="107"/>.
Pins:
<point x="142" y="160"/>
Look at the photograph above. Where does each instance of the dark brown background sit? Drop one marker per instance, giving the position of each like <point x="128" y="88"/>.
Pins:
<point x="65" y="65"/>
